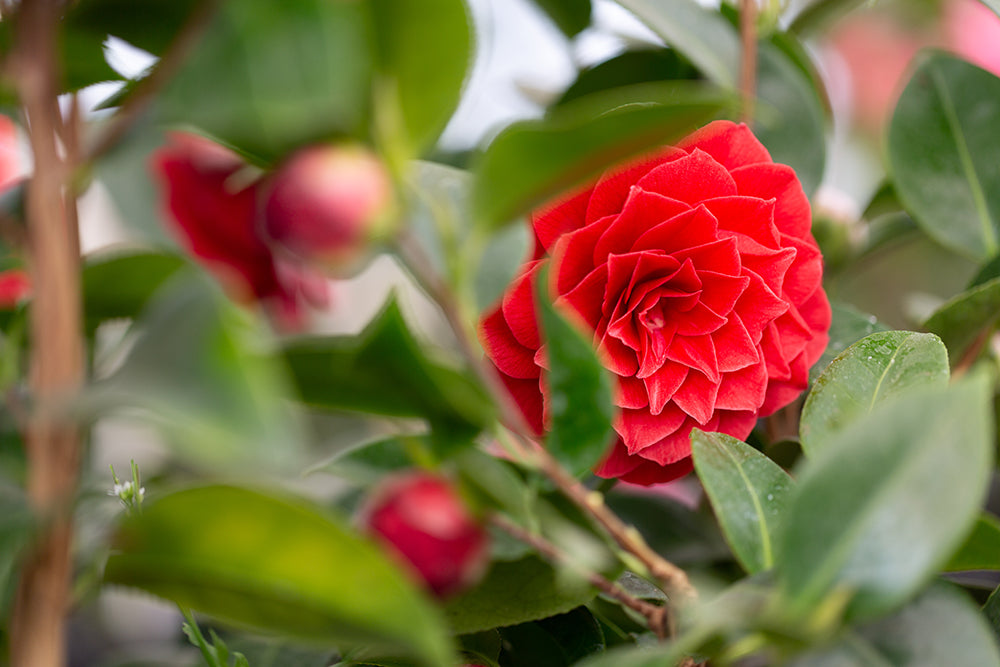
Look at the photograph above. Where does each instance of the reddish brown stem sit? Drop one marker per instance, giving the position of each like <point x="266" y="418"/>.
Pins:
<point x="656" y="616"/>
<point x="51" y="439"/>
<point x="748" y="58"/>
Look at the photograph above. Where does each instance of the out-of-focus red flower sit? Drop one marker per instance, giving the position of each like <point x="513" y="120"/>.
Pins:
<point x="420" y="517"/>
<point x="877" y="47"/>
<point x="696" y="270"/>
<point x="10" y="158"/>
<point x="15" y="287"/>
<point x="328" y="203"/>
<point x="214" y="214"/>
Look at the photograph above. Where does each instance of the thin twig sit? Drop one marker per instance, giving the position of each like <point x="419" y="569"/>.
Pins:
<point x="140" y="98"/>
<point x="748" y="57"/>
<point x="656" y="616"/>
<point x="672" y="578"/>
<point x="972" y="353"/>
<point x="52" y="445"/>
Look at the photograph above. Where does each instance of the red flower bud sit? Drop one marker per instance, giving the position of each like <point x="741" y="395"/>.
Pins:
<point x="327" y="203"/>
<point x="421" y="518"/>
<point x="15" y="287"/>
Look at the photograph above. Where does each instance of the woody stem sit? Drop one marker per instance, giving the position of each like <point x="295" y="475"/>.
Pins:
<point x="748" y="57"/>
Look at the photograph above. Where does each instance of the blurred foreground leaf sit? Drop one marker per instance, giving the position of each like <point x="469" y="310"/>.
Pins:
<point x="883" y="505"/>
<point x="580" y="401"/>
<point x="871" y="371"/>
<point x="532" y="161"/>
<point x="749" y="493"/>
<point x="942" y="152"/>
<point x="571" y="16"/>
<point x="424" y="52"/>
<point x="385" y="371"/>
<point x="941" y="627"/>
<point x="275" y="564"/>
<point x="198" y="367"/>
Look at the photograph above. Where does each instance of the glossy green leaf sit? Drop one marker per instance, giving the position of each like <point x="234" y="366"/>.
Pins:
<point x="886" y="502"/>
<point x="848" y="325"/>
<point x="238" y="555"/>
<point x="118" y="285"/>
<point x="941" y="627"/>
<point x="517" y="592"/>
<point x="942" y="148"/>
<point x="701" y="34"/>
<point x="369" y="462"/>
<point x="961" y="319"/>
<point x="270" y="76"/>
<point x="632" y="67"/>
<point x="196" y="370"/>
<point x="424" y="52"/>
<point x="533" y="161"/>
<point x="557" y="641"/>
<point x="571" y="16"/>
<point x="790" y="120"/>
<point x="385" y="371"/>
<point x="873" y="370"/>
<point x="981" y="550"/>
<point x="580" y="407"/>
<point x="749" y="493"/>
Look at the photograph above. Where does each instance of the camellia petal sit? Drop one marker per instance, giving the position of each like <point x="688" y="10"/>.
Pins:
<point x="695" y="268"/>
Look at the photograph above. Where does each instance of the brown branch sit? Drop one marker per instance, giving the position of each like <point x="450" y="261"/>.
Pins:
<point x="972" y="353"/>
<point x="51" y="438"/>
<point x="672" y="578"/>
<point x="656" y="616"/>
<point x="748" y="58"/>
<point x="164" y="70"/>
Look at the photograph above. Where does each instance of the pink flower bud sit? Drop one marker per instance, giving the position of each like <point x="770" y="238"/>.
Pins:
<point x="327" y="203"/>
<point x="15" y="287"/>
<point x="420" y="517"/>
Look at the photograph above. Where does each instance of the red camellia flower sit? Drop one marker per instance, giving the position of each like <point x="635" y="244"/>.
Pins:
<point x="216" y="219"/>
<point x="420" y="517"/>
<point x="15" y="287"/>
<point x="698" y="275"/>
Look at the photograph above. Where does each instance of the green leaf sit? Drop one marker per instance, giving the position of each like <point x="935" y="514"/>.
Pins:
<point x="684" y="536"/>
<point x="886" y="502"/>
<point x="270" y="76"/>
<point x="580" y="401"/>
<point x="821" y="13"/>
<point x="424" y="52"/>
<point x="632" y="67"/>
<point x="658" y="655"/>
<point x="17" y="527"/>
<point x="369" y="462"/>
<point x="701" y="34"/>
<point x="749" y="493"/>
<point x="790" y="120"/>
<point x="942" y="149"/>
<point x="557" y="641"/>
<point x="991" y="610"/>
<point x="981" y="550"/>
<point x="533" y="161"/>
<point x="964" y="317"/>
<point x="873" y="370"/>
<point x="571" y="16"/>
<point x="118" y="284"/>
<point x="196" y="369"/>
<point x="238" y="555"/>
<point x="385" y="371"/>
<point x="847" y="327"/>
<point x="516" y="592"/>
<point x="150" y="25"/>
<point x="941" y="627"/>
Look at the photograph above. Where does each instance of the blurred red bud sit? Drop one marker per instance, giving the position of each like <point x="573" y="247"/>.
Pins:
<point x="421" y="517"/>
<point x="15" y="287"/>
<point x="328" y="203"/>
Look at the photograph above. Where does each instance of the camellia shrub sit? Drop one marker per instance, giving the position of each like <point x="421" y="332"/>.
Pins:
<point x="698" y="365"/>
